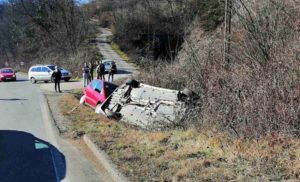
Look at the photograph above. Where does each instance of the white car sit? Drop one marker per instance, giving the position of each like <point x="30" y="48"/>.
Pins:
<point x="44" y="73"/>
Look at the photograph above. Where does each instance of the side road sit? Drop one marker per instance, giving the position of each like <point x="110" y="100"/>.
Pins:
<point x="125" y="69"/>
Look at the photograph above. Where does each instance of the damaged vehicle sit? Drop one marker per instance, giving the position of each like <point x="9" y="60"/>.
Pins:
<point x="149" y="107"/>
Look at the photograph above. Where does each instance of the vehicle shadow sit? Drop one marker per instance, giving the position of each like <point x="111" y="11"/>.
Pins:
<point x="23" y="157"/>
<point x="120" y="72"/>
<point x="12" y="81"/>
<point x="22" y="80"/>
<point x="13" y="99"/>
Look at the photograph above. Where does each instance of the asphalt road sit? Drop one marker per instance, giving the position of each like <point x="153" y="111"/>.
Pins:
<point x="30" y="149"/>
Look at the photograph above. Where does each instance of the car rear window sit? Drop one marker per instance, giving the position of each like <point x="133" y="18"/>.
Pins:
<point x="7" y="71"/>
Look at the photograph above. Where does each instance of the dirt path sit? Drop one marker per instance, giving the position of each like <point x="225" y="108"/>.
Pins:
<point x="125" y="69"/>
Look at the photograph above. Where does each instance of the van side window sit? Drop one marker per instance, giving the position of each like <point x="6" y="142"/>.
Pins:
<point x="39" y="69"/>
<point x="44" y="69"/>
<point x="33" y="69"/>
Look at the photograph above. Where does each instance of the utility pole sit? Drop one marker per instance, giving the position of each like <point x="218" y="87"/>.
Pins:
<point x="227" y="30"/>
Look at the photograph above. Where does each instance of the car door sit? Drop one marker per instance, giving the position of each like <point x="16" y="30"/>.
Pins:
<point x="93" y="92"/>
<point x="45" y="73"/>
<point x="38" y="75"/>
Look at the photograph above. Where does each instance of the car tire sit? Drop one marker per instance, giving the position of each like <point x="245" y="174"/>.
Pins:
<point x="82" y="100"/>
<point x="33" y="80"/>
<point x="132" y="82"/>
<point x="187" y="92"/>
<point x="45" y="81"/>
<point x="109" y="113"/>
<point x="67" y="79"/>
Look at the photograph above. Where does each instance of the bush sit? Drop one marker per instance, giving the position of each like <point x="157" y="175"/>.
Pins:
<point x="258" y="91"/>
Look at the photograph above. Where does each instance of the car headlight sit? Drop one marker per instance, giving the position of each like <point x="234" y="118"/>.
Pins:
<point x="1" y="76"/>
<point x="14" y="75"/>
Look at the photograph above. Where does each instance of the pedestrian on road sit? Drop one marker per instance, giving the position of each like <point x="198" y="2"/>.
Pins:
<point x="100" y="71"/>
<point x="56" y="75"/>
<point x="112" y="71"/>
<point x="86" y="74"/>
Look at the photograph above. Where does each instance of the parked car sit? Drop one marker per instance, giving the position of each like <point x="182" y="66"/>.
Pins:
<point x="7" y="74"/>
<point x="97" y="92"/>
<point x="107" y="64"/>
<point x="44" y="73"/>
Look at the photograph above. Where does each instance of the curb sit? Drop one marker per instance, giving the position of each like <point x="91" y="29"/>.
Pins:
<point x="104" y="160"/>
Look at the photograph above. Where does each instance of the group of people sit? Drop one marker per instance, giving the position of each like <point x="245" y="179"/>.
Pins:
<point x="100" y="70"/>
<point x="87" y="74"/>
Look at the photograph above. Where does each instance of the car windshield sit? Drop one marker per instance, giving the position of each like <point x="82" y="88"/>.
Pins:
<point x="52" y="67"/>
<point x="97" y="85"/>
<point x="7" y="71"/>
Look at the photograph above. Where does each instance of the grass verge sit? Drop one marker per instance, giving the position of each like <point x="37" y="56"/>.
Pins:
<point x="116" y="48"/>
<point x="122" y="54"/>
<point x="188" y="155"/>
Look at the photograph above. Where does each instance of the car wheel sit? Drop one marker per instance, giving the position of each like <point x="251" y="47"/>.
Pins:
<point x="132" y="82"/>
<point x="98" y="109"/>
<point x="33" y="80"/>
<point x="45" y="81"/>
<point x="67" y="79"/>
<point x="109" y="113"/>
<point x="187" y="92"/>
<point x="82" y="100"/>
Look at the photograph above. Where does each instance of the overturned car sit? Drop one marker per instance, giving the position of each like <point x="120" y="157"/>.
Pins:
<point x="149" y="107"/>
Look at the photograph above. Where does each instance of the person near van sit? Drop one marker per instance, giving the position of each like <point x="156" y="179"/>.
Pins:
<point x="86" y="74"/>
<point x="56" y="75"/>
<point x="112" y="71"/>
<point x="100" y="71"/>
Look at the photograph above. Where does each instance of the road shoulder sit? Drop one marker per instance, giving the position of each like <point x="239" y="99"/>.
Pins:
<point x="83" y="160"/>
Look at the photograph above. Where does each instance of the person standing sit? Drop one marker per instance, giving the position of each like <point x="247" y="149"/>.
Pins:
<point x="86" y="74"/>
<point x="56" y="75"/>
<point x="100" y="71"/>
<point x="92" y="67"/>
<point x="112" y="71"/>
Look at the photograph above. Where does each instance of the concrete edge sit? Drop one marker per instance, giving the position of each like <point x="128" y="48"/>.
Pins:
<point x="51" y="129"/>
<point x="104" y="160"/>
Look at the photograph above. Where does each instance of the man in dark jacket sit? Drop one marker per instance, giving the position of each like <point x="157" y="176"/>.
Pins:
<point x="56" y="75"/>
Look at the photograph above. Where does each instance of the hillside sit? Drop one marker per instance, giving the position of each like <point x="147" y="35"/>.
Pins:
<point x="255" y="91"/>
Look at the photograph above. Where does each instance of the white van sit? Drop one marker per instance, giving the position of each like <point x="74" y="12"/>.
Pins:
<point x="44" y="73"/>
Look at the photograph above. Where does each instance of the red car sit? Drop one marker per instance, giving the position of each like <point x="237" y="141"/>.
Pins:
<point x="97" y="92"/>
<point x="7" y="74"/>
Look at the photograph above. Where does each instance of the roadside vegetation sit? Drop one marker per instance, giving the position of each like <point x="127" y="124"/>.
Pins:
<point x="185" y="155"/>
<point x="155" y="29"/>
<point x="45" y="32"/>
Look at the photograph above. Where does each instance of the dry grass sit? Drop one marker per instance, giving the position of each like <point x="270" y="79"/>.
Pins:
<point x="189" y="155"/>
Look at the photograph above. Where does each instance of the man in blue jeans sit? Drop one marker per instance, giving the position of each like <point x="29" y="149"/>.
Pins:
<point x="86" y="74"/>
